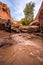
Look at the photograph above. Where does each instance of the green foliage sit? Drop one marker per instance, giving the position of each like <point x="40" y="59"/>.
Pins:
<point x="24" y="21"/>
<point x="29" y="11"/>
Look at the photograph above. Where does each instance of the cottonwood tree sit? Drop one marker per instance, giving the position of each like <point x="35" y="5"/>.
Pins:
<point x="29" y="11"/>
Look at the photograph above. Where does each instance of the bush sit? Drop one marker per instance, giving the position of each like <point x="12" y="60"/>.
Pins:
<point x="24" y="21"/>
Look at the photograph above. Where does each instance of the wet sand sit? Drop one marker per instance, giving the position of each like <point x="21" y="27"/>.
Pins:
<point x="20" y="49"/>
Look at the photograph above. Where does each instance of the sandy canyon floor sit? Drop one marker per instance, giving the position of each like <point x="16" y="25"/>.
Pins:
<point x="20" y="49"/>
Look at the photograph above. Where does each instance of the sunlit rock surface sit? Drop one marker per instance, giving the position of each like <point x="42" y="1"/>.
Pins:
<point x="20" y="49"/>
<point x="5" y="13"/>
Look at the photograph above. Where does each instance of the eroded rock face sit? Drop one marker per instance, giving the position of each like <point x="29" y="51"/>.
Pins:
<point x="5" y="15"/>
<point x="2" y="21"/>
<point x="4" y="11"/>
<point x="39" y="18"/>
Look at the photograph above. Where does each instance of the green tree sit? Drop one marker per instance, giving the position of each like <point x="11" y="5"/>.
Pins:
<point x="24" y="21"/>
<point x="29" y="11"/>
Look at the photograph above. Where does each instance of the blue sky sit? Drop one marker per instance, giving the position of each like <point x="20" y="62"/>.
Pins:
<point x="17" y="7"/>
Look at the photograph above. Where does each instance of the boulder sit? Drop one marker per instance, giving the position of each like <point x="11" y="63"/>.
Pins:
<point x="33" y="28"/>
<point x="15" y="28"/>
<point x="23" y="29"/>
<point x="2" y="21"/>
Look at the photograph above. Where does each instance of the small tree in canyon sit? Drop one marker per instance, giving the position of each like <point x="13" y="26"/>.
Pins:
<point x="29" y="12"/>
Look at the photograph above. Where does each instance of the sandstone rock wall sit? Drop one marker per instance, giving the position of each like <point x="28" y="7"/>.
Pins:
<point x="4" y="14"/>
<point x="3" y="9"/>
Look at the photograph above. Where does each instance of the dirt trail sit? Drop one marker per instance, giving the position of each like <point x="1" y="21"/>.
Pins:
<point x="25" y="49"/>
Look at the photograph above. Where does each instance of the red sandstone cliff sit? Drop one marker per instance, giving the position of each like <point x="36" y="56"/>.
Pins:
<point x="5" y="12"/>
